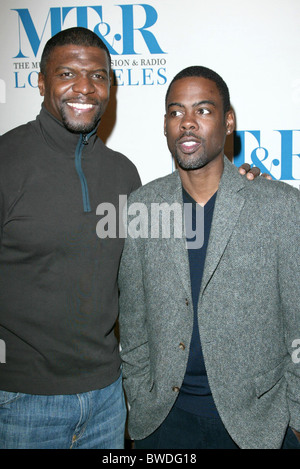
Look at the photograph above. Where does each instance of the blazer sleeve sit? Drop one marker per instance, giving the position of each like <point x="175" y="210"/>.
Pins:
<point x="132" y="321"/>
<point x="289" y="284"/>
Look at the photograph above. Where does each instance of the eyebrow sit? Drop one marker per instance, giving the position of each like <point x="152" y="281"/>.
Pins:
<point x="71" y="69"/>
<point x="199" y="103"/>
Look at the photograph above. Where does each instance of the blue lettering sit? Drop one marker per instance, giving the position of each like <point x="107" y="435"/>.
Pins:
<point x="129" y="29"/>
<point x="57" y="17"/>
<point x="32" y="80"/>
<point x="117" y="77"/>
<point x="17" y="81"/>
<point x="82" y="20"/>
<point x="30" y="30"/>
<point x="260" y="154"/>
<point x="147" y="74"/>
<point x="258" y="161"/>
<point x="81" y="15"/>
<point x="287" y="154"/>
<point x="34" y="74"/>
<point x="240" y="148"/>
<point x="129" y="70"/>
<point x="159" y="73"/>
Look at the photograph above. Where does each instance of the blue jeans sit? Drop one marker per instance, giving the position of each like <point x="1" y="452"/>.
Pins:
<point x="91" y="420"/>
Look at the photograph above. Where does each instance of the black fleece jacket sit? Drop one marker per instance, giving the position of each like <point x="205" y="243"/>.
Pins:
<point x="58" y="278"/>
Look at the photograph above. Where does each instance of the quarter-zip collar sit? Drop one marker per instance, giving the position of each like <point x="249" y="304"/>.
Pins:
<point x="82" y="142"/>
<point x="58" y="137"/>
<point x="71" y="144"/>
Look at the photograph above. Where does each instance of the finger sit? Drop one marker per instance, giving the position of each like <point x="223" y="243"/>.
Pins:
<point x="267" y="176"/>
<point x="253" y="173"/>
<point x="244" y="168"/>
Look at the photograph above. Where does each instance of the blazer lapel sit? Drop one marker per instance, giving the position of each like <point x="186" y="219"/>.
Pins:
<point x="229" y="204"/>
<point x="172" y="194"/>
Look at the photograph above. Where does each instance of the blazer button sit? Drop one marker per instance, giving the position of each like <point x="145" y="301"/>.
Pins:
<point x="182" y="346"/>
<point x="175" y="388"/>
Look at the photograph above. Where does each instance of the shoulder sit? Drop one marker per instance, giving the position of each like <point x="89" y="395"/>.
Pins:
<point x="261" y="191"/>
<point x="117" y="160"/>
<point x="119" y="168"/>
<point x="160" y="186"/>
<point x="13" y="142"/>
<point x="274" y="192"/>
<point x="16" y="134"/>
<point x="274" y="205"/>
<point x="114" y="156"/>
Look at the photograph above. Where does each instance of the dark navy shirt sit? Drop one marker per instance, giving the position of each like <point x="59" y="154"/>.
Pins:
<point x="195" y="394"/>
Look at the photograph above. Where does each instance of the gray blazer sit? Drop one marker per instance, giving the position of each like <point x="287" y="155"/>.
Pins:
<point x="248" y="311"/>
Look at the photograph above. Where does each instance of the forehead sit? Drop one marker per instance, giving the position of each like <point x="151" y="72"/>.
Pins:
<point x="86" y="57"/>
<point x="190" y="90"/>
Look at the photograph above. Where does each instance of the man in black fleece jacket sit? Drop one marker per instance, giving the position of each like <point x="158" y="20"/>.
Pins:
<point x="61" y="381"/>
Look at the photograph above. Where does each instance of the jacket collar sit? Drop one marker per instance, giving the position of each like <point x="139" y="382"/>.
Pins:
<point x="228" y="207"/>
<point x="58" y="137"/>
<point x="231" y="182"/>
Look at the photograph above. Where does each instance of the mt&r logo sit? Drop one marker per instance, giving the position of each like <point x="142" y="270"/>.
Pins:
<point x="127" y="31"/>
<point x="276" y="153"/>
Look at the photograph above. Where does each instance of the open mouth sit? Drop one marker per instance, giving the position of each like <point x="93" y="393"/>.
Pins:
<point x="189" y="146"/>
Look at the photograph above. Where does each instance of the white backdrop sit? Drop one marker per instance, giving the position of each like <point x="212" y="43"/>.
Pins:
<point x="252" y="44"/>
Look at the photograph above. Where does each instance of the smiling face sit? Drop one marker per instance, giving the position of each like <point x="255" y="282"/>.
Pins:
<point x="195" y="123"/>
<point x="76" y="86"/>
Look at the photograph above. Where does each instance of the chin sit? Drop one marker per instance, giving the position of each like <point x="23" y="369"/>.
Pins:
<point x="186" y="163"/>
<point x="78" y="125"/>
<point x="80" y="128"/>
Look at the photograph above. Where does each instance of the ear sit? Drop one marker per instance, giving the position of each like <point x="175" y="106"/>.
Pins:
<point x="230" y="122"/>
<point x="41" y="83"/>
<point x="165" y="125"/>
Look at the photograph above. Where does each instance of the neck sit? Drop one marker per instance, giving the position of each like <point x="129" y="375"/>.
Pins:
<point x="202" y="183"/>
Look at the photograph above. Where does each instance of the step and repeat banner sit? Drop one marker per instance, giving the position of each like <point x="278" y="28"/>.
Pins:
<point x="252" y="44"/>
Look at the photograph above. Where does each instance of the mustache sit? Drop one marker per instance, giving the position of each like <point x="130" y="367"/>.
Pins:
<point x="189" y="134"/>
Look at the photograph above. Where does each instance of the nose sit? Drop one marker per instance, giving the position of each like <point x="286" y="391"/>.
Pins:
<point x="83" y="85"/>
<point x="189" y="122"/>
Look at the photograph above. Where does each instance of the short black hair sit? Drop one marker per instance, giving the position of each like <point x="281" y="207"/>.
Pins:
<point x="204" y="72"/>
<point x="78" y="36"/>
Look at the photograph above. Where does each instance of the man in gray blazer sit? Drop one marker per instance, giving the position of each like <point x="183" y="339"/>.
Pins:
<point x="207" y="363"/>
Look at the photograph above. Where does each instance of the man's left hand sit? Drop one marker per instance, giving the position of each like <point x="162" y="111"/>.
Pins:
<point x="251" y="173"/>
